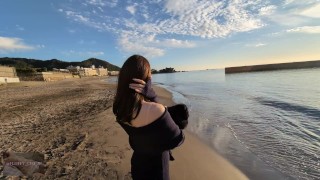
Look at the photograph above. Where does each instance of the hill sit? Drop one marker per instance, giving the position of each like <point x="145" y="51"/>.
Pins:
<point x="24" y="63"/>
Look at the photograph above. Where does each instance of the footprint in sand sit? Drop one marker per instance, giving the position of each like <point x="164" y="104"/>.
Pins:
<point x="111" y="154"/>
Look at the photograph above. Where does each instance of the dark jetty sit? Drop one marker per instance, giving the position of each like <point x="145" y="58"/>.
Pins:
<point x="271" y="67"/>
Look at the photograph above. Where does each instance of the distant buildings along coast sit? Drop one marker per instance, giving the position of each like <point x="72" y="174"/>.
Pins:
<point x="10" y="75"/>
<point x="13" y="69"/>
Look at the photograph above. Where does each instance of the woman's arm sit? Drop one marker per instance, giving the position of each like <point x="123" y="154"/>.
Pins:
<point x="172" y="135"/>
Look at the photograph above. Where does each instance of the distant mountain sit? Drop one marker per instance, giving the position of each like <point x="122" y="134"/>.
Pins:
<point x="24" y="63"/>
<point x="97" y="63"/>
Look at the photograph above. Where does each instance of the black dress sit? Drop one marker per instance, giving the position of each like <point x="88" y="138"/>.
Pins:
<point x="151" y="145"/>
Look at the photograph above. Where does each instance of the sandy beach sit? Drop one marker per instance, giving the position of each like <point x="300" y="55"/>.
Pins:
<point x="71" y="123"/>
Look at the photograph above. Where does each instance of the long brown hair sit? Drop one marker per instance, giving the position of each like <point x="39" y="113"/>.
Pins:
<point x="127" y="102"/>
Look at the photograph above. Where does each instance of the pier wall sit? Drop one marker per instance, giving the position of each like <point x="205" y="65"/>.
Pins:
<point x="271" y="67"/>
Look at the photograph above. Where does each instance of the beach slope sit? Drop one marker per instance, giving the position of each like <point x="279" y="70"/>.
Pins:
<point x="71" y="123"/>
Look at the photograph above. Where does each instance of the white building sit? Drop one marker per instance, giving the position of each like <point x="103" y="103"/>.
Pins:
<point x="8" y="75"/>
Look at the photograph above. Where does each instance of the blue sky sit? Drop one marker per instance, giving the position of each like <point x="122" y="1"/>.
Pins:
<point x="184" y="34"/>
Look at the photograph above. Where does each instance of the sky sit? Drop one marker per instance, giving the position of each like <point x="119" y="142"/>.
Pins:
<point x="183" y="34"/>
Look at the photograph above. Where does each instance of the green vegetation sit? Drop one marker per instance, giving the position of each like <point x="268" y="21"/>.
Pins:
<point x="166" y="70"/>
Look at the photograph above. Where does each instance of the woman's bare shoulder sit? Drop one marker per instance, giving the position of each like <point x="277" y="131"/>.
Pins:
<point x="149" y="113"/>
<point x="156" y="110"/>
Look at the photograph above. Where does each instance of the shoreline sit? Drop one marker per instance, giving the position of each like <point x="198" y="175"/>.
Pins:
<point x="194" y="159"/>
<point x="250" y="165"/>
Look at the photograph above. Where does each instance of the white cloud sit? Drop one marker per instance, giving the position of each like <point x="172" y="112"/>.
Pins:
<point x="298" y="2"/>
<point x="77" y="16"/>
<point x="149" y="44"/>
<point x="267" y="10"/>
<point x="8" y="44"/>
<point x="136" y="45"/>
<point x="286" y="2"/>
<point x="20" y="28"/>
<point x="174" y="43"/>
<point x="99" y="53"/>
<point x="295" y="12"/>
<point x="260" y="44"/>
<point x="289" y="19"/>
<point x="202" y="19"/>
<point x="100" y="26"/>
<point x="179" y="43"/>
<point x="100" y="9"/>
<point x="112" y="3"/>
<point x="179" y="7"/>
<point x="96" y="2"/>
<point x="71" y="31"/>
<point x="41" y="46"/>
<point x="256" y="45"/>
<point x="167" y="20"/>
<point x="83" y="53"/>
<point x="102" y="3"/>
<point x="275" y="34"/>
<point x="131" y="9"/>
<point x="146" y="16"/>
<point x="83" y="42"/>
<point x="313" y="11"/>
<point x="305" y="29"/>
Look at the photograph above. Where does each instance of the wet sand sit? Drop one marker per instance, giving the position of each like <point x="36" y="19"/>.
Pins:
<point x="194" y="159"/>
<point x="72" y="124"/>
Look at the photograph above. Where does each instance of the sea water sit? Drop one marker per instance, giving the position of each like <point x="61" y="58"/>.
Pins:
<point x="266" y="123"/>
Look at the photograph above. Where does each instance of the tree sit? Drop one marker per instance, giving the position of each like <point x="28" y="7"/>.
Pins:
<point x="154" y="71"/>
<point x="167" y="70"/>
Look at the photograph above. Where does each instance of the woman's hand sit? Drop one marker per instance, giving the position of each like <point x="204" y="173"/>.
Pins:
<point x="144" y="88"/>
<point x="138" y="86"/>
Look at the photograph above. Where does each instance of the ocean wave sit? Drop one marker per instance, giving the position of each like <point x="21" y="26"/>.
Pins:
<point x="308" y="111"/>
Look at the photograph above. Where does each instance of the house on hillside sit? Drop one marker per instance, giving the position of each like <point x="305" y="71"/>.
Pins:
<point x="102" y="71"/>
<point x="8" y="75"/>
<point x="113" y="73"/>
<point x="87" y="72"/>
<point x="93" y="71"/>
<point x="61" y="70"/>
<point x="74" y="69"/>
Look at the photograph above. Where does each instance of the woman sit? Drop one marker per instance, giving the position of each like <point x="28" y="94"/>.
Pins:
<point x="152" y="132"/>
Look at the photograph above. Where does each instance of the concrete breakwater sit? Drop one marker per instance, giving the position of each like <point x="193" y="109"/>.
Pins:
<point x="271" y="67"/>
